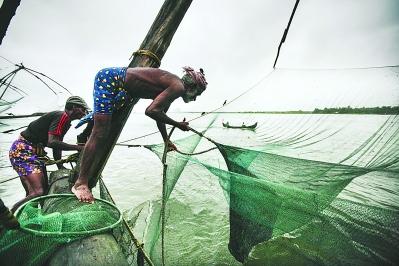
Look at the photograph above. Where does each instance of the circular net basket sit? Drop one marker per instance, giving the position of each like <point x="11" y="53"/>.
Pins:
<point x="62" y="215"/>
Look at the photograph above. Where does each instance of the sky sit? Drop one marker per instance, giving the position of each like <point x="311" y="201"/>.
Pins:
<point x="235" y="42"/>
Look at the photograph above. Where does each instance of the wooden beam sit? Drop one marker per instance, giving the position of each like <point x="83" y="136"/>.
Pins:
<point x="157" y="41"/>
<point x="7" y="11"/>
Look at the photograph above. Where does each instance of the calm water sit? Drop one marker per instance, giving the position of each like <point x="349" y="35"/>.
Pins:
<point x="134" y="175"/>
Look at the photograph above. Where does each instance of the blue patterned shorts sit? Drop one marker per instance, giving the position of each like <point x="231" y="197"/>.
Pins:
<point x="109" y="93"/>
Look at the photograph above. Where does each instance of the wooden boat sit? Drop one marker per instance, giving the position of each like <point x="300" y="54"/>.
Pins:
<point x="252" y="127"/>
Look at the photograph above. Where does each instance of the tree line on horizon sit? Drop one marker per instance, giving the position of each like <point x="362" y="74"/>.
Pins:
<point x="380" y="110"/>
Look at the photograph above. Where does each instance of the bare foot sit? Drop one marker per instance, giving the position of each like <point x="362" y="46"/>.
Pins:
<point x="83" y="193"/>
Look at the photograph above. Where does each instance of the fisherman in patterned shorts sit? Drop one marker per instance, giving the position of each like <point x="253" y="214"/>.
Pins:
<point x="113" y="87"/>
<point x="46" y="131"/>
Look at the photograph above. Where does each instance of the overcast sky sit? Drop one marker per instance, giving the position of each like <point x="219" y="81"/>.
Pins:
<point x="235" y="42"/>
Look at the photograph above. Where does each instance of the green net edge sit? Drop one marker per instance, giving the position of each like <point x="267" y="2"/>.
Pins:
<point x="71" y="234"/>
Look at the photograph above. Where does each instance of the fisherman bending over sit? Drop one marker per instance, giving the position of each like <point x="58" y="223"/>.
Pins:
<point x="112" y="86"/>
<point x="48" y="130"/>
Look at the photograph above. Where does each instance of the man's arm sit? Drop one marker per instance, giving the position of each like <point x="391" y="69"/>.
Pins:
<point x="162" y="102"/>
<point x="55" y="142"/>
<point x="57" y="154"/>
<point x="162" y="128"/>
<point x="57" y="145"/>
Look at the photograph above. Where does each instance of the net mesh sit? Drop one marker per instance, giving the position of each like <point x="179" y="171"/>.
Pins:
<point x="271" y="208"/>
<point x="284" y="210"/>
<point x="62" y="219"/>
<point x="122" y="234"/>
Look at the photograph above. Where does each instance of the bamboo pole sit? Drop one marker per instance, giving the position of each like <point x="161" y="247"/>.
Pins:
<point x="7" y="11"/>
<point x="157" y="41"/>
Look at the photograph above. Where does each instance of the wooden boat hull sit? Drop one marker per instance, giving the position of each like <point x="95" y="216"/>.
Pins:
<point x="252" y="127"/>
<point x="99" y="249"/>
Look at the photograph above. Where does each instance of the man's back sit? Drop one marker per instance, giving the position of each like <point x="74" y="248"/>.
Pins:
<point x="55" y="122"/>
<point x="148" y="83"/>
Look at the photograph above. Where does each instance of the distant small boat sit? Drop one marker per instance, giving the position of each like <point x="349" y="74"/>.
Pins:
<point x="253" y="126"/>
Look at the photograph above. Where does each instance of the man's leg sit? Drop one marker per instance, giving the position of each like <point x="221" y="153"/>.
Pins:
<point x="25" y="187"/>
<point x="35" y="183"/>
<point x="99" y="135"/>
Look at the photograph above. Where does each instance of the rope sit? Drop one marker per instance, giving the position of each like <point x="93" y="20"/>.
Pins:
<point x="178" y="151"/>
<point x="196" y="153"/>
<point x="18" y="90"/>
<point x="338" y="68"/>
<point x="212" y="111"/>
<point x="32" y="71"/>
<point x="36" y="76"/>
<point x="11" y="130"/>
<point x="8" y="75"/>
<point x="248" y="90"/>
<point x="136" y="242"/>
<point x="285" y="33"/>
<point x="203" y="136"/>
<point x="131" y="145"/>
<point x="26" y="68"/>
<point x="12" y="178"/>
<point x="12" y="74"/>
<point x="148" y="53"/>
<point x="163" y="207"/>
<point x="71" y="158"/>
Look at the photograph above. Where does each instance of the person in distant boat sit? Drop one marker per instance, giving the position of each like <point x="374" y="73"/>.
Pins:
<point x="46" y="131"/>
<point x="7" y="219"/>
<point x="113" y="86"/>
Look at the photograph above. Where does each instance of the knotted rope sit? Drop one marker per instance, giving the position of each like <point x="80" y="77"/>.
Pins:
<point x="148" y="53"/>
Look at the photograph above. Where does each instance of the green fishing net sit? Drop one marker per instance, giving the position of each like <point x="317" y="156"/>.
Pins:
<point x="281" y="210"/>
<point x="50" y="221"/>
<point x="254" y="206"/>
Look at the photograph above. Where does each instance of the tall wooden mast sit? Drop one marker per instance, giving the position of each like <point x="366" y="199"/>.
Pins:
<point x="7" y="11"/>
<point x="156" y="42"/>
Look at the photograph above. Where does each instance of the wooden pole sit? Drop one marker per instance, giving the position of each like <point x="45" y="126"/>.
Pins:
<point x="7" y="11"/>
<point x="157" y="41"/>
